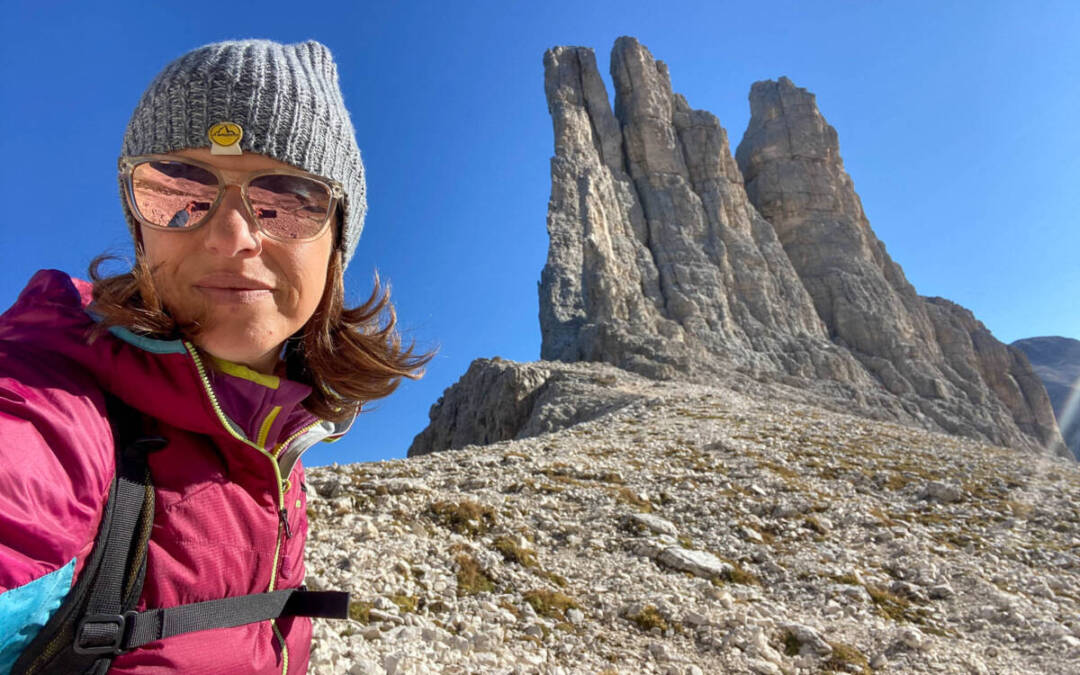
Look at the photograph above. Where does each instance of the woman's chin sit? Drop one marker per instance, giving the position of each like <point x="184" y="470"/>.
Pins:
<point x="249" y="355"/>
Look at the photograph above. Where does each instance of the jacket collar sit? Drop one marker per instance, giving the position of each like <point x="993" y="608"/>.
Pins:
<point x="166" y="379"/>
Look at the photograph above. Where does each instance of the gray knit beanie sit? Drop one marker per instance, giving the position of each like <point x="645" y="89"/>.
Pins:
<point x="286" y="99"/>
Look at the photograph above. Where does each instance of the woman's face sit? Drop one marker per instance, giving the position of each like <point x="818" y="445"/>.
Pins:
<point x="250" y="292"/>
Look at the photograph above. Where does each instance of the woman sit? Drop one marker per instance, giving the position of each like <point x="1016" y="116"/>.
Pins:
<point x="243" y="187"/>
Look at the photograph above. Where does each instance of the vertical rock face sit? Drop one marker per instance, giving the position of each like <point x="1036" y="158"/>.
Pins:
<point x="664" y="262"/>
<point x="929" y="352"/>
<point x="1056" y="360"/>
<point x="658" y="263"/>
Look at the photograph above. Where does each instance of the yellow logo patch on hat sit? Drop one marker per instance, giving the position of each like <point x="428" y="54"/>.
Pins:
<point x="225" y="138"/>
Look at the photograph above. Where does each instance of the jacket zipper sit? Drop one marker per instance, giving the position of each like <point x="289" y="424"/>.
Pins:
<point x="283" y="523"/>
<point x="283" y="513"/>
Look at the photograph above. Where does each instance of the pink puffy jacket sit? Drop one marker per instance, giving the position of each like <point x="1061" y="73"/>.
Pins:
<point x="230" y="513"/>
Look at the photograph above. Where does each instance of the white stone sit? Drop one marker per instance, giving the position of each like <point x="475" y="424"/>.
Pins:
<point x="912" y="637"/>
<point x="764" y="667"/>
<point x="655" y="523"/>
<point x="693" y="618"/>
<point x="365" y="667"/>
<point x="700" y="563"/>
<point x="660" y="651"/>
<point x="946" y="493"/>
<point x="808" y="638"/>
<point x="391" y="662"/>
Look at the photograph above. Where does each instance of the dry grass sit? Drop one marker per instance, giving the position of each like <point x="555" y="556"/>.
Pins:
<point x="359" y="611"/>
<point x="511" y="551"/>
<point x="648" y="618"/>
<point x="471" y="577"/>
<point x="846" y="659"/>
<point x="467" y="517"/>
<point x="550" y="604"/>
<point x="625" y="495"/>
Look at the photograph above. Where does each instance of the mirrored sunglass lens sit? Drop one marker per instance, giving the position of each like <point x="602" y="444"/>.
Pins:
<point x="289" y="207"/>
<point x="173" y="194"/>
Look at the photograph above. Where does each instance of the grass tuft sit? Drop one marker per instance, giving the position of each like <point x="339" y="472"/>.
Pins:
<point x="471" y="577"/>
<point x="359" y="611"/>
<point x="551" y="604"/>
<point x="791" y="644"/>
<point x="648" y="618"/>
<point x="625" y="495"/>
<point x="406" y="603"/>
<point x="514" y="553"/>
<point x="846" y="659"/>
<point x="467" y="517"/>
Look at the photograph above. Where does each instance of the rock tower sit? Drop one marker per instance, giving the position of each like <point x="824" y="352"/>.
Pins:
<point x="673" y="259"/>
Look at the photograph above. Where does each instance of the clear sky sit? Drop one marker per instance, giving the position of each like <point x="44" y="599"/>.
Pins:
<point x="958" y="122"/>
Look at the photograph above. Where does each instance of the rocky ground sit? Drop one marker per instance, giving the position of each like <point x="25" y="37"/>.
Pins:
<point x="698" y="530"/>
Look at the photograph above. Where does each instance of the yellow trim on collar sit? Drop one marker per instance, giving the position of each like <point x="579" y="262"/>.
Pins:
<point x="264" y="430"/>
<point x="245" y="373"/>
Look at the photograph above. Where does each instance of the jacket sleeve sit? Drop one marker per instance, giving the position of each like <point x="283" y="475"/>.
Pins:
<point x="56" y="466"/>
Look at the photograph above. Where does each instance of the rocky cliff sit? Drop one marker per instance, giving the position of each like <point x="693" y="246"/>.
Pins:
<point x="931" y="353"/>
<point x="1056" y="360"/>
<point x="671" y="258"/>
<point x="658" y="262"/>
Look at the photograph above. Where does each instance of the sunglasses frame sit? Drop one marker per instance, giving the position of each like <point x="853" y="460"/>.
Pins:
<point x="127" y="166"/>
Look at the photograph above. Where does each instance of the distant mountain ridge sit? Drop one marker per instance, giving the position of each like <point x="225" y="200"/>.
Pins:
<point x="674" y="259"/>
<point x="1056" y="360"/>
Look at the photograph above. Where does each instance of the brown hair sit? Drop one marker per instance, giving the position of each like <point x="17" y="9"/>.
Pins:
<point x="348" y="356"/>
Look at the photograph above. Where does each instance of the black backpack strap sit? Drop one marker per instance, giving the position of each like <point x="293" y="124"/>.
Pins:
<point x="98" y="622"/>
<point x="113" y="573"/>
<point x="123" y="563"/>
<point x="116" y="633"/>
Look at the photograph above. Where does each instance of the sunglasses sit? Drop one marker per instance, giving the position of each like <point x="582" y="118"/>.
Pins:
<point x="174" y="193"/>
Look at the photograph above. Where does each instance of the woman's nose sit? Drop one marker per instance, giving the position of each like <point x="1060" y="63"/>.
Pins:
<point x="231" y="232"/>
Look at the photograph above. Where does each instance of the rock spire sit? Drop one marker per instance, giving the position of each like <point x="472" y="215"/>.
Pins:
<point x="673" y="259"/>
<point x="658" y="262"/>
<point x="929" y="352"/>
<point x="670" y="258"/>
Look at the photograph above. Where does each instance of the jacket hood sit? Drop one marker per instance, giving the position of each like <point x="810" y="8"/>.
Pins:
<point x="201" y="394"/>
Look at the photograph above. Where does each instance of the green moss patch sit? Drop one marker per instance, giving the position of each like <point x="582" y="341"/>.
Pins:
<point x="888" y="603"/>
<point x="791" y="644"/>
<point x="842" y="659"/>
<point x="551" y="604"/>
<point x="360" y="611"/>
<point x="406" y="603"/>
<point x="625" y="495"/>
<point x="648" y="618"/>
<point x="514" y="553"/>
<point x="471" y="577"/>
<point x="467" y="517"/>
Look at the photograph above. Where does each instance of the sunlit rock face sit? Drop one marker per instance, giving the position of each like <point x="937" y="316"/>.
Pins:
<point x="929" y="352"/>
<point x="658" y="263"/>
<point x="671" y="259"/>
<point x="1056" y="360"/>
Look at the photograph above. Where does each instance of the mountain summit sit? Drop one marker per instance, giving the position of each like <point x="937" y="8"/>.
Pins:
<point x="673" y="259"/>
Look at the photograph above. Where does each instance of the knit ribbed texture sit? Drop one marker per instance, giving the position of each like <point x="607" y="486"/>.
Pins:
<point x="286" y="98"/>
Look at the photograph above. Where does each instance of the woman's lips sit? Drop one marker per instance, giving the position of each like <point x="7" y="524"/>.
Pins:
<point x="239" y="296"/>
<point x="228" y="288"/>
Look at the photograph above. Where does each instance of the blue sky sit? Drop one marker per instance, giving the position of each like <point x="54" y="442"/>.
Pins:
<point x="957" y="122"/>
